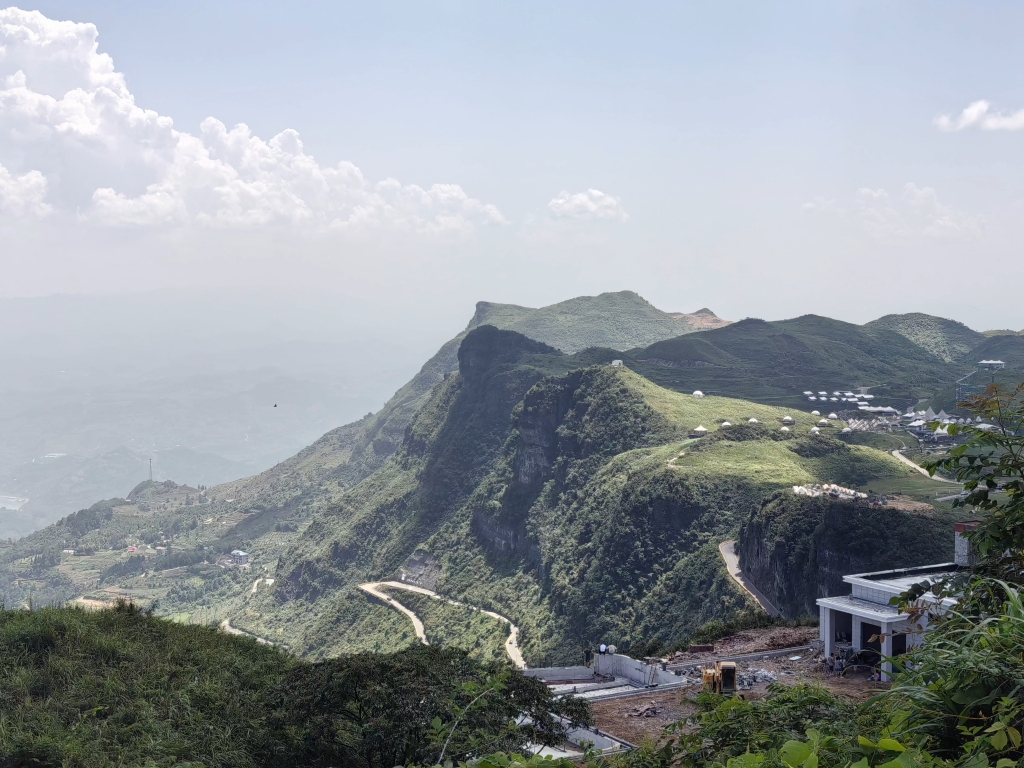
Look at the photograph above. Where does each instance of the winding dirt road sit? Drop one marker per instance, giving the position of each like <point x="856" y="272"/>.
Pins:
<point x="899" y="455"/>
<point x="374" y="588"/>
<point x="732" y="564"/>
<point x="226" y="627"/>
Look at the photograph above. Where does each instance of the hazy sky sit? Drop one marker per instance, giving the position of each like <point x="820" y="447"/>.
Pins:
<point x="850" y="159"/>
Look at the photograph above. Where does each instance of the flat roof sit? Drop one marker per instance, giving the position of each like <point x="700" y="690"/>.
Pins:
<point x="863" y="608"/>
<point x="903" y="578"/>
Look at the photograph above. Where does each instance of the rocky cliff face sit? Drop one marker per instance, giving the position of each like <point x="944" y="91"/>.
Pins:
<point x="796" y="549"/>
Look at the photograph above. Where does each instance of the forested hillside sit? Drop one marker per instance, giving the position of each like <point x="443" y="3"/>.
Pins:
<point x="946" y="339"/>
<point x="551" y="488"/>
<point x="796" y="548"/>
<point x="121" y="687"/>
<point x="777" y="361"/>
<point x="573" y="503"/>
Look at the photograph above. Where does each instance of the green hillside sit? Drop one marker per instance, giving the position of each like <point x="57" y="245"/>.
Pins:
<point x="946" y="339"/>
<point x="777" y="361"/>
<point x="548" y="487"/>
<point x="346" y="455"/>
<point x="620" y="320"/>
<point x="1009" y="349"/>
<point x="121" y="687"/>
<point x="571" y="502"/>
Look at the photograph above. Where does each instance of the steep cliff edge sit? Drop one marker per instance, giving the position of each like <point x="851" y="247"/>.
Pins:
<point x="796" y="549"/>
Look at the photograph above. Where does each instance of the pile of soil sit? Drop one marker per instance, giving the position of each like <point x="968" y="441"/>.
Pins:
<point x="751" y="641"/>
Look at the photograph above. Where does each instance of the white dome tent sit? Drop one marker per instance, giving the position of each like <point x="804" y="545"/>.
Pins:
<point x="832" y="416"/>
<point x="785" y="429"/>
<point x="698" y="393"/>
<point x="787" y="419"/>
<point x="815" y="431"/>
<point x="726" y="424"/>
<point x="751" y="421"/>
<point x="815" y="413"/>
<point x="823" y="422"/>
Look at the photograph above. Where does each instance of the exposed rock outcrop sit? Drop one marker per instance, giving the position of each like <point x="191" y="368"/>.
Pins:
<point x="796" y="549"/>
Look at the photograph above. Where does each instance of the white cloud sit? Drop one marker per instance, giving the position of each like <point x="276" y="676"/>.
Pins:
<point x="977" y="115"/>
<point x="63" y="102"/>
<point x="23" y="195"/>
<point x="917" y="212"/>
<point x="592" y="204"/>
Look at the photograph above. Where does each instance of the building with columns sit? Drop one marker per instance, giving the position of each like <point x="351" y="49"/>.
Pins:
<point x="866" y="619"/>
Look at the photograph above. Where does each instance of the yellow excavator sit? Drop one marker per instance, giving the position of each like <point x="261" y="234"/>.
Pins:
<point x="720" y="678"/>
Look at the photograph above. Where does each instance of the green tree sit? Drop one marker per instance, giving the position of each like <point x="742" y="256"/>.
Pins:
<point x="990" y="464"/>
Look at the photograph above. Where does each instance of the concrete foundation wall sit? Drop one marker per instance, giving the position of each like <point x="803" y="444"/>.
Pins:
<point x="634" y="670"/>
<point x="560" y="673"/>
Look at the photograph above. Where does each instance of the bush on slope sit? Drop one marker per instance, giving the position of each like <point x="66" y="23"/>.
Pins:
<point x="120" y="687"/>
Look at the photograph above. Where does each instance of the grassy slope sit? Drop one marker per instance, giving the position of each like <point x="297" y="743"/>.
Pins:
<point x="777" y="361"/>
<point x="946" y="339"/>
<point x="620" y="320"/>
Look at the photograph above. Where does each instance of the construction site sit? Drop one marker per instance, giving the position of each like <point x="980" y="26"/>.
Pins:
<point x="633" y="700"/>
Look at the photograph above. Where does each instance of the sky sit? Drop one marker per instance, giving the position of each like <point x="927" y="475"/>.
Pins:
<point x="850" y="159"/>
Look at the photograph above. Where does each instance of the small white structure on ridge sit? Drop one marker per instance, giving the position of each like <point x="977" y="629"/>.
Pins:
<point x="698" y="393"/>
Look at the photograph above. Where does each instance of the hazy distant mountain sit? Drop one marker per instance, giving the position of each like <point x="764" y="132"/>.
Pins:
<point x="946" y="339"/>
<point x="620" y="320"/>
<point x="191" y="381"/>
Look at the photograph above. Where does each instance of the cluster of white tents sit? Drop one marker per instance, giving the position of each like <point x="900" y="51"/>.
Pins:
<point x="787" y="423"/>
<point x="839" y="397"/>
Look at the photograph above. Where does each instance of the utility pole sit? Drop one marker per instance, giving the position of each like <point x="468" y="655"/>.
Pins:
<point x="151" y="470"/>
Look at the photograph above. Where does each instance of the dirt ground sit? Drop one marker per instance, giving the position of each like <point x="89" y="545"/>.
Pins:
<point x="751" y="641"/>
<point x="636" y="718"/>
<point x="644" y="716"/>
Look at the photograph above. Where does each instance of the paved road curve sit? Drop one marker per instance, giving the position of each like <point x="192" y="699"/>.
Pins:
<point x="732" y="564"/>
<point x="373" y="588"/>
<point x="511" y="644"/>
<point x="899" y="455"/>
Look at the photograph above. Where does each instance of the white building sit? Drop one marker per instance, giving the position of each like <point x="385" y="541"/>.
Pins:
<point x="864" y="619"/>
<point x="992" y="365"/>
<point x="616" y="363"/>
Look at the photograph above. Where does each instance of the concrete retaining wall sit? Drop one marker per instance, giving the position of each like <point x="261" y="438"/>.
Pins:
<point x="634" y="670"/>
<point x="560" y="673"/>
